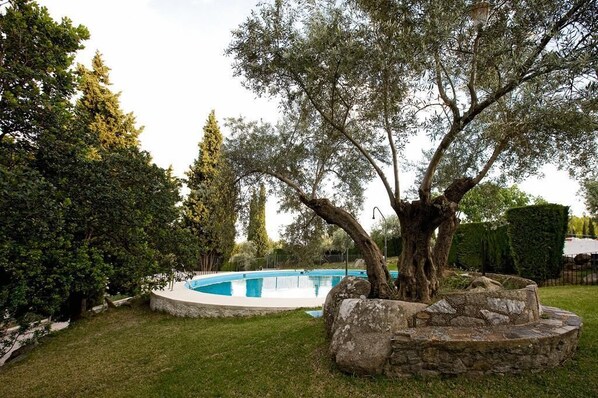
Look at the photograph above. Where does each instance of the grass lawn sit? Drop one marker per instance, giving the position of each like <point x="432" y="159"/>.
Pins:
<point x="133" y="352"/>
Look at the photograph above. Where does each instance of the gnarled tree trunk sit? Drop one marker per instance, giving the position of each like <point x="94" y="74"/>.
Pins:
<point x="420" y="267"/>
<point x="444" y="241"/>
<point x="378" y="274"/>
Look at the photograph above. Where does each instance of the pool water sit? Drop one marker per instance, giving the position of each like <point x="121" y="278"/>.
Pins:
<point x="299" y="286"/>
<point x="274" y="283"/>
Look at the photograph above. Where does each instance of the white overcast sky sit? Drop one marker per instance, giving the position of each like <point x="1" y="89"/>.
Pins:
<point x="167" y="59"/>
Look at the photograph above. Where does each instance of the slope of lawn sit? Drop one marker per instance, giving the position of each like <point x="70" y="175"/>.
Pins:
<point x="133" y="352"/>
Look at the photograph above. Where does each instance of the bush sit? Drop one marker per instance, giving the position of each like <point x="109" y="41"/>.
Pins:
<point x="478" y="246"/>
<point x="537" y="237"/>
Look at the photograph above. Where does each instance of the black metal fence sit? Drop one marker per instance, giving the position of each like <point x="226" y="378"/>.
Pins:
<point x="335" y="260"/>
<point x="581" y="269"/>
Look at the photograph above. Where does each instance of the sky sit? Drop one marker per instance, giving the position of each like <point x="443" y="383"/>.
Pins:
<point x="167" y="60"/>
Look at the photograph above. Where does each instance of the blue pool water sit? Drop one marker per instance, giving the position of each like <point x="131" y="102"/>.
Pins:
<point x="274" y="284"/>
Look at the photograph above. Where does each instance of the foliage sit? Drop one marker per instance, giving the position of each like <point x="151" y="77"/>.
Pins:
<point x="36" y="79"/>
<point x="341" y="241"/>
<point x="209" y="211"/>
<point x="82" y="207"/>
<point x="392" y="226"/>
<point x="589" y="191"/>
<point x="256" y="230"/>
<point x="489" y="201"/>
<point x="537" y="237"/>
<point x="98" y="110"/>
<point x="514" y="92"/>
<point x="306" y="238"/>
<point x="482" y="246"/>
<point x="580" y="226"/>
<point x="243" y="256"/>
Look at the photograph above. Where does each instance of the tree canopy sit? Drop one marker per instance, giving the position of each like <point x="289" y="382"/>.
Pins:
<point x="489" y="201"/>
<point x="82" y="207"/>
<point x="359" y="79"/>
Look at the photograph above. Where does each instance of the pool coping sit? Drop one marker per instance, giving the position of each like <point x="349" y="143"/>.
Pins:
<point x="182" y="301"/>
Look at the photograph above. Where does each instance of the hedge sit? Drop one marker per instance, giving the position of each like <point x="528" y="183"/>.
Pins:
<point x="537" y="237"/>
<point x="482" y="246"/>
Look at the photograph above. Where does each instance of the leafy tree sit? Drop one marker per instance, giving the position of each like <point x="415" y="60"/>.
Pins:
<point x="584" y="228"/>
<point x="210" y="208"/>
<point x="306" y="238"/>
<point x="341" y="241"/>
<point x="256" y="231"/>
<point x="36" y="80"/>
<point x="358" y="79"/>
<point x="589" y="191"/>
<point x="489" y="201"/>
<point x="36" y="83"/>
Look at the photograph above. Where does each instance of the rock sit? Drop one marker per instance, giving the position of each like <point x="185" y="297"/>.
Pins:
<point x="467" y="321"/>
<point x="361" y="342"/>
<point x="349" y="287"/>
<point x="582" y="258"/>
<point x="109" y="302"/>
<point x="494" y="318"/>
<point x="359" y="263"/>
<point x="441" y="307"/>
<point x="21" y="352"/>
<point x="590" y="279"/>
<point x="484" y="284"/>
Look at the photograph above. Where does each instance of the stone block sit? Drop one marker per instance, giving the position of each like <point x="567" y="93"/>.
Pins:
<point x="349" y="287"/>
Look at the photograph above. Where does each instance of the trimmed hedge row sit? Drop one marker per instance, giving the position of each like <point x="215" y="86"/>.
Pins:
<point x="537" y="237"/>
<point x="530" y="245"/>
<point x="482" y="246"/>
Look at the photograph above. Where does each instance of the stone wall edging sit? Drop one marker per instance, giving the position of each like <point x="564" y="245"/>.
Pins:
<point x="435" y="351"/>
<point x="201" y="310"/>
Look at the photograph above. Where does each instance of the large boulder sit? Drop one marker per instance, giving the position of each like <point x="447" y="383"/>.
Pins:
<point x="348" y="287"/>
<point x="361" y="340"/>
<point x="582" y="258"/>
<point x="484" y="284"/>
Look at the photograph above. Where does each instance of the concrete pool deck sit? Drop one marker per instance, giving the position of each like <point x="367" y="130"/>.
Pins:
<point x="182" y="301"/>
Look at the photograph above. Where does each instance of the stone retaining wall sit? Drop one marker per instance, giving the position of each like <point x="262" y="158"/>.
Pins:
<point x="202" y="310"/>
<point x="433" y="351"/>
<point x="492" y="308"/>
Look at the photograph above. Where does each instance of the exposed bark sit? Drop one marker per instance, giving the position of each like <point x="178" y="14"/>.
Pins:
<point x="378" y="274"/>
<point x="444" y="241"/>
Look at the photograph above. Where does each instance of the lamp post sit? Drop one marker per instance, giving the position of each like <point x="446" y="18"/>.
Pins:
<point x="385" y="225"/>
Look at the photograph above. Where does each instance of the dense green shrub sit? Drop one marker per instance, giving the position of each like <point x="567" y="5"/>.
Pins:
<point x="537" y="236"/>
<point x="482" y="246"/>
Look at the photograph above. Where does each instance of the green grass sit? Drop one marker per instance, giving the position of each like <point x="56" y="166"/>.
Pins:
<point x="133" y="352"/>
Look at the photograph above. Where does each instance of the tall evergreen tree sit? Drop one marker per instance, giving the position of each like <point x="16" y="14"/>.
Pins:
<point x="209" y="211"/>
<point x="99" y="109"/>
<point x="260" y="235"/>
<point x="253" y="209"/>
<point x="584" y="228"/>
<point x="591" y="229"/>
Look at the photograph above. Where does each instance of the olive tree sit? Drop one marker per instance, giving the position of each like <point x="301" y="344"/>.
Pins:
<point x="509" y="85"/>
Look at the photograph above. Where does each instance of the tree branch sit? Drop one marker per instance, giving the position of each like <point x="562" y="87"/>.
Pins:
<point x="343" y="131"/>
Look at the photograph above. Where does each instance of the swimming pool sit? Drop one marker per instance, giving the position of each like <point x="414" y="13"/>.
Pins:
<point x="195" y="298"/>
<point x="274" y="284"/>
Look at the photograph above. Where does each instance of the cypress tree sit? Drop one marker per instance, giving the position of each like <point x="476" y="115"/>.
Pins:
<point x="252" y="224"/>
<point x="99" y="111"/>
<point x="209" y="210"/>
<point x="260" y="237"/>
<point x="584" y="228"/>
<point x="591" y="229"/>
